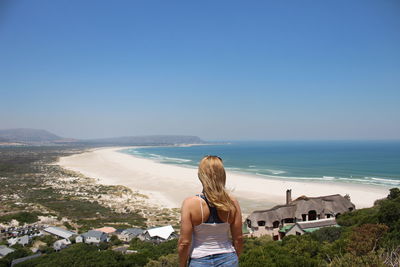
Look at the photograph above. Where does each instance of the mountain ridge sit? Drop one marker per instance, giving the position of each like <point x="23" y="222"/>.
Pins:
<point x="40" y="136"/>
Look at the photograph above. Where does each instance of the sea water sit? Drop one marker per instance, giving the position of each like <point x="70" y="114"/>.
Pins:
<point x="366" y="162"/>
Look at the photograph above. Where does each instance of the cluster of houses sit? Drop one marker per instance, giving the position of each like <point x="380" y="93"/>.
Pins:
<point x="96" y="236"/>
<point x="299" y="216"/>
<point x="29" y="230"/>
<point x="19" y="235"/>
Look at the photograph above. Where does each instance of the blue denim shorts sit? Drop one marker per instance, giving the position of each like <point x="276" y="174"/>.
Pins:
<point x="220" y="260"/>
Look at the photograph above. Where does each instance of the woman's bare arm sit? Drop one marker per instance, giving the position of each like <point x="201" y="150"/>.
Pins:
<point x="185" y="238"/>
<point x="236" y="229"/>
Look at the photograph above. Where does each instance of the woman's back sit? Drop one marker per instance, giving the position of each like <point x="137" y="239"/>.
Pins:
<point x="211" y="236"/>
<point x="206" y="222"/>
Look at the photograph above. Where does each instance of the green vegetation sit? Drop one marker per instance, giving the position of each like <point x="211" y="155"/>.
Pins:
<point x="368" y="237"/>
<point x="91" y="215"/>
<point x="22" y="217"/>
<point x="27" y="175"/>
<point x="89" y="255"/>
<point x="18" y="253"/>
<point x="170" y="260"/>
<point x="153" y="251"/>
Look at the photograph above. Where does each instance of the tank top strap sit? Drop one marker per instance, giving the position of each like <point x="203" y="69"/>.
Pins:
<point x="213" y="217"/>
<point x="201" y="208"/>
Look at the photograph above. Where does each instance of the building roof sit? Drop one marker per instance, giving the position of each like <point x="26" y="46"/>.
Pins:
<point x="107" y="230"/>
<point x="133" y="231"/>
<point x="317" y="223"/>
<point x="286" y="228"/>
<point x="59" y="232"/>
<point x="310" y="226"/>
<point x="23" y="240"/>
<point x="310" y="230"/>
<point x="63" y="241"/>
<point x="331" y="204"/>
<point x="16" y="261"/>
<point x="4" y="250"/>
<point x="163" y="232"/>
<point x="93" y="233"/>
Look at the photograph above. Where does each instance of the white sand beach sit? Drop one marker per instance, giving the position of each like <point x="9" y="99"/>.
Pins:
<point x="168" y="185"/>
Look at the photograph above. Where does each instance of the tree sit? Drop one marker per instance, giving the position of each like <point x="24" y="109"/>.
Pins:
<point x="394" y="193"/>
<point x="18" y="253"/>
<point x="170" y="260"/>
<point x="348" y="260"/>
<point x="389" y="212"/>
<point x="115" y="241"/>
<point x="365" y="239"/>
<point x="328" y="234"/>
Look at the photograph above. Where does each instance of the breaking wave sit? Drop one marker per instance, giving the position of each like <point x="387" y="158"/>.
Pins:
<point x="271" y="173"/>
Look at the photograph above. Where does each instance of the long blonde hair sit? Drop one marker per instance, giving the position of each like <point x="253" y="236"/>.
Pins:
<point x="213" y="177"/>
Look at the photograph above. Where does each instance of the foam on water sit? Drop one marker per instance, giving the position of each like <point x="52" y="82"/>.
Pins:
<point x="363" y="163"/>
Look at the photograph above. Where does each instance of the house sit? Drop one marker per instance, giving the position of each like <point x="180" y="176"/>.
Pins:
<point x="128" y="234"/>
<point x="107" y="230"/>
<point x="22" y="240"/>
<point x="302" y="209"/>
<point x="300" y="228"/>
<point x="61" y="244"/>
<point x="159" y="234"/>
<point x="92" y="237"/>
<point x="4" y="250"/>
<point x="60" y="232"/>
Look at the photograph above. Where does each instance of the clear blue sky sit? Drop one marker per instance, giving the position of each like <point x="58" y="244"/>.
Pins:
<point x="216" y="69"/>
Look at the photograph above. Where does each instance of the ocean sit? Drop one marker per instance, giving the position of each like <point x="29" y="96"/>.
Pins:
<point x="365" y="162"/>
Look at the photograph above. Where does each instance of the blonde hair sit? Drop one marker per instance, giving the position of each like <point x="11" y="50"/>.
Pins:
<point x="212" y="175"/>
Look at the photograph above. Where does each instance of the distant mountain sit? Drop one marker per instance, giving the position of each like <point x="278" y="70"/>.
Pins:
<point x="146" y="140"/>
<point x="37" y="137"/>
<point x="28" y="136"/>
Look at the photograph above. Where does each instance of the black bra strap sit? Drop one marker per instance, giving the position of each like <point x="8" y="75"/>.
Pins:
<point x="213" y="218"/>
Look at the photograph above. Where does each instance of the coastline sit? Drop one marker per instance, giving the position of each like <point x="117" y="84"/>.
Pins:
<point x="168" y="185"/>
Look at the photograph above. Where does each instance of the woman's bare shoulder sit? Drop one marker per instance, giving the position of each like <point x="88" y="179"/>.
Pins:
<point x="190" y="200"/>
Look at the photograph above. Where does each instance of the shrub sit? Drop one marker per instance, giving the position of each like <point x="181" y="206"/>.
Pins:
<point x="328" y="234"/>
<point x="366" y="238"/>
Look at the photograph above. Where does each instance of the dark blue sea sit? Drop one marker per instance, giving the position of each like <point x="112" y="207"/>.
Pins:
<point x="366" y="162"/>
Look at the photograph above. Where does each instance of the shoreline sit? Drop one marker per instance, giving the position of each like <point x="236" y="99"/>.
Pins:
<point x="167" y="185"/>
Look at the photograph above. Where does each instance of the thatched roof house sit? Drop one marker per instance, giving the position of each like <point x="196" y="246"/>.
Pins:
<point x="302" y="209"/>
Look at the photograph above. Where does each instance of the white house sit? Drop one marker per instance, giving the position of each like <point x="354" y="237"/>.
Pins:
<point x="22" y="240"/>
<point x="92" y="237"/>
<point x="61" y="244"/>
<point x="130" y="233"/>
<point x="159" y="234"/>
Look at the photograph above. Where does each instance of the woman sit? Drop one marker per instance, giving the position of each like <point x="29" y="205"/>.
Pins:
<point x="206" y="220"/>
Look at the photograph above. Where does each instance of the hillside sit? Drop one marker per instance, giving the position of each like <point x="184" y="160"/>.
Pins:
<point x="25" y="135"/>
<point x="146" y="140"/>
<point x="35" y="136"/>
